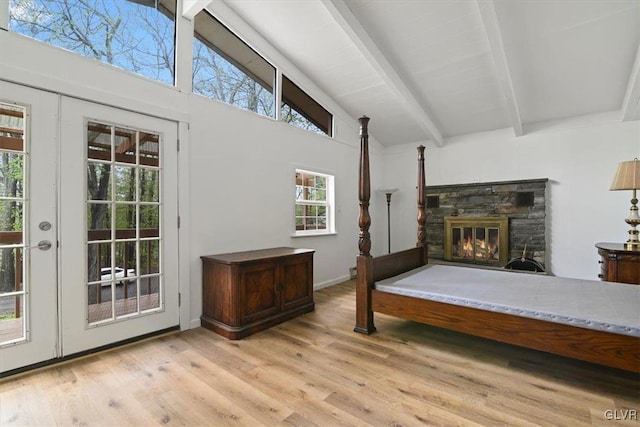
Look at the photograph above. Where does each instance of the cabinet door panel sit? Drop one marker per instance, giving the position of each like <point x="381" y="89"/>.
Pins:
<point x="259" y="287"/>
<point x="298" y="277"/>
<point x="628" y="269"/>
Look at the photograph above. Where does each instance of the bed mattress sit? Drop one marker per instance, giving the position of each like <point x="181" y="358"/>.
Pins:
<point x="606" y="306"/>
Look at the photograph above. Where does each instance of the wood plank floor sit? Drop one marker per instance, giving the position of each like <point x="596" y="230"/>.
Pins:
<point x="314" y="371"/>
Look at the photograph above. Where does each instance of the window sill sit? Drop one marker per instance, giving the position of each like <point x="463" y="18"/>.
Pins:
<point x="315" y="234"/>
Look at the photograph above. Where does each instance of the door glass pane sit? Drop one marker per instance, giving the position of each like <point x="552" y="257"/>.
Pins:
<point x="125" y="143"/>
<point x="149" y="185"/>
<point x="98" y="181"/>
<point x="99" y="221"/>
<point x="132" y="206"/>
<point x="12" y="319"/>
<point x="99" y="141"/>
<point x="13" y="197"/>
<point x="125" y="182"/>
<point x="11" y="166"/>
<point x="126" y="297"/>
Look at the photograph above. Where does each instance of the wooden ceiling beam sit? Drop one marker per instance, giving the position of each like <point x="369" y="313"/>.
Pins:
<point x="631" y="103"/>
<point x="190" y="8"/>
<point x="494" y="36"/>
<point x="350" y="24"/>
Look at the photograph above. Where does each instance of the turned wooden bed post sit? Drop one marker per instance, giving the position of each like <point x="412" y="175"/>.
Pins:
<point x="364" y="265"/>
<point x="422" y="217"/>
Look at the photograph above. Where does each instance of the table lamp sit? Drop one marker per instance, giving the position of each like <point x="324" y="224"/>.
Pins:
<point x="628" y="178"/>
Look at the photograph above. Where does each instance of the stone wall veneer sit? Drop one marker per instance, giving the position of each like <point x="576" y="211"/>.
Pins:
<point x="527" y="223"/>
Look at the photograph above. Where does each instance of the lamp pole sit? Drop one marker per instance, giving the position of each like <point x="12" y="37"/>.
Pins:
<point x="388" y="192"/>
<point x="389" y="219"/>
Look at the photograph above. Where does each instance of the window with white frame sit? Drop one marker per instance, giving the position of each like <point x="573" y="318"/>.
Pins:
<point x="314" y="203"/>
<point x="135" y="35"/>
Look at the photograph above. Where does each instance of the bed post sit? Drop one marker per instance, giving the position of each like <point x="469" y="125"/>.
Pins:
<point x="422" y="217"/>
<point x="364" y="265"/>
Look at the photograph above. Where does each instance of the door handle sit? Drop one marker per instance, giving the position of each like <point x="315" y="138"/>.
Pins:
<point x="43" y="245"/>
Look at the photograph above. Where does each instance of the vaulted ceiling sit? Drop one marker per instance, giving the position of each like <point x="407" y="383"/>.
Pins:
<point x="431" y="69"/>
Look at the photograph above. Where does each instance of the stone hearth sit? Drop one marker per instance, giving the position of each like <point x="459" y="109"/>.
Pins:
<point x="523" y="202"/>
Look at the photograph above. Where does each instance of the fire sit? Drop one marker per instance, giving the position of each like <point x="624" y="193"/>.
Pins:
<point x="481" y="248"/>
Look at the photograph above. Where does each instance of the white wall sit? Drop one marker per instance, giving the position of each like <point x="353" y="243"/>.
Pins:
<point x="579" y="157"/>
<point x="241" y="172"/>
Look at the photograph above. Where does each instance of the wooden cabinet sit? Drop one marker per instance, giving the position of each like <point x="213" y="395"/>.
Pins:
<point x="246" y="292"/>
<point x="619" y="264"/>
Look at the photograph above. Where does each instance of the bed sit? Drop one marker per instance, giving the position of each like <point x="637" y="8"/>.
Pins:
<point x="593" y="321"/>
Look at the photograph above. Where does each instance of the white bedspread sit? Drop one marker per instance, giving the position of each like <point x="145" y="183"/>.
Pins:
<point x="611" y="307"/>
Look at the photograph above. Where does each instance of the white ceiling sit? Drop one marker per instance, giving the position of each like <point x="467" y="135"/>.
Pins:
<point x="431" y="69"/>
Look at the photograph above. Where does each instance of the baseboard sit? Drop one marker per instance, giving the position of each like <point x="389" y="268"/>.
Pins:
<point x="331" y="282"/>
<point x="195" y="323"/>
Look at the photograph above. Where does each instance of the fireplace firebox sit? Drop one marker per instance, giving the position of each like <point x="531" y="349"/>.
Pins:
<point x="477" y="240"/>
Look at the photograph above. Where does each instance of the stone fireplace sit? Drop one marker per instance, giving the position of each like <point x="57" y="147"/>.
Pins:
<point x="466" y="208"/>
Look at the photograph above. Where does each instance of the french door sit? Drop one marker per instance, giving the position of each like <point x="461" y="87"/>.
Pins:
<point x="88" y="226"/>
<point x="118" y="225"/>
<point x="28" y="268"/>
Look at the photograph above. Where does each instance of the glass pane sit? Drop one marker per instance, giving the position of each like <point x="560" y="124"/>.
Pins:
<point x="12" y="127"/>
<point x="467" y="244"/>
<point x="227" y="69"/>
<point x="125" y="181"/>
<point x="310" y="223"/>
<point x="127" y="298"/>
<point x="149" y="257"/>
<point x="457" y="242"/>
<point x="149" y="293"/>
<point x="98" y="221"/>
<point x="150" y="220"/>
<point x="125" y="221"/>
<point x="99" y="298"/>
<point x="98" y="261"/>
<point x="99" y="141"/>
<point x="300" y="110"/>
<point x="149" y="185"/>
<point x="11" y="174"/>
<point x="10" y="215"/>
<point x="11" y="270"/>
<point x="135" y="35"/>
<point x="12" y="320"/>
<point x="149" y="149"/>
<point x="125" y="142"/>
<point x="493" y="245"/>
<point x="125" y="261"/>
<point x="480" y="243"/>
<point x="98" y="181"/>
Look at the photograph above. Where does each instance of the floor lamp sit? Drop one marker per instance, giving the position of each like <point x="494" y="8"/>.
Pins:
<point x="388" y="192"/>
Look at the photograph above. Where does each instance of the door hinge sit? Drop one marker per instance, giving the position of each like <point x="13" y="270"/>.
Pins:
<point x="178" y="145"/>
<point x="179" y="299"/>
<point x="178" y="221"/>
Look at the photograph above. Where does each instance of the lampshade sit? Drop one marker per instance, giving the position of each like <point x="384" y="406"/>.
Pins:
<point x="627" y="176"/>
<point x="388" y="190"/>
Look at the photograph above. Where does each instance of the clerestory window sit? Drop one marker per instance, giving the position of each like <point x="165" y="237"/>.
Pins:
<point x="226" y="69"/>
<point x="135" y="35"/>
<point x="300" y="110"/>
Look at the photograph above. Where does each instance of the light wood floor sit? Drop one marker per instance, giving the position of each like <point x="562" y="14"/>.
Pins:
<point x="315" y="371"/>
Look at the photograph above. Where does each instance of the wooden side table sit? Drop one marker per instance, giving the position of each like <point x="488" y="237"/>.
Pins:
<point x="246" y="292"/>
<point x="619" y="264"/>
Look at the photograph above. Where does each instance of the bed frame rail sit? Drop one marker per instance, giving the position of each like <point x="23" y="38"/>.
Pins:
<point x="395" y="263"/>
